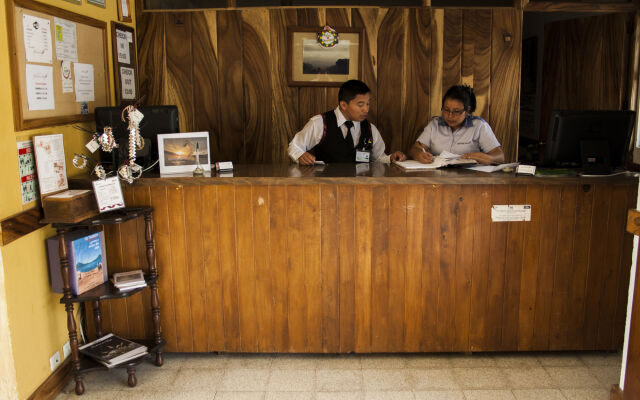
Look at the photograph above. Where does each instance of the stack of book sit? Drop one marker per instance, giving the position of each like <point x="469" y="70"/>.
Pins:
<point x="130" y="280"/>
<point x="111" y="350"/>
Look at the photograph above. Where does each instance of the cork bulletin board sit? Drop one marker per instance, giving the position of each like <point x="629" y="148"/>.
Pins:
<point x="63" y="106"/>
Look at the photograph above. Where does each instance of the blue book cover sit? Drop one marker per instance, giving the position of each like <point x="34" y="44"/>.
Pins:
<point x="87" y="262"/>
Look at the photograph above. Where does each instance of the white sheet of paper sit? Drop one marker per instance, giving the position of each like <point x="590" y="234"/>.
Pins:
<point x="448" y="156"/>
<point x="511" y="212"/>
<point x="83" y="74"/>
<point x="39" y="80"/>
<point x="65" y="76"/>
<point x="123" y="47"/>
<point x="66" y="40"/>
<point x="128" y="83"/>
<point x="492" y="168"/>
<point x="52" y="171"/>
<point x="108" y="194"/>
<point x="37" y="39"/>
<point x="125" y="8"/>
<point x="417" y="165"/>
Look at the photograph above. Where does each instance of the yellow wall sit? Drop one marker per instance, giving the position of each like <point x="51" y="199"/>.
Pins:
<point x="36" y="320"/>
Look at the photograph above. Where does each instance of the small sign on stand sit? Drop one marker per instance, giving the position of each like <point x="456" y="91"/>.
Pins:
<point x="108" y="194"/>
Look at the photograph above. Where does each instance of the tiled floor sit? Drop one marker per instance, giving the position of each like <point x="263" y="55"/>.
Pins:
<point x="562" y="376"/>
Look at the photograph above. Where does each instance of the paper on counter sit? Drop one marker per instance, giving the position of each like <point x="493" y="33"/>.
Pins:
<point x="492" y="168"/>
<point x="445" y="155"/>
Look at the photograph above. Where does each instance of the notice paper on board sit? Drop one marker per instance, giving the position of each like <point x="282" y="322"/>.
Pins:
<point x="66" y="40"/>
<point x="511" y="212"/>
<point x="37" y="39"/>
<point x="83" y="74"/>
<point x="39" y="79"/>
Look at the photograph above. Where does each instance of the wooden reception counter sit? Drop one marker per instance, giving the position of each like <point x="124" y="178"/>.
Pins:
<point x="359" y="258"/>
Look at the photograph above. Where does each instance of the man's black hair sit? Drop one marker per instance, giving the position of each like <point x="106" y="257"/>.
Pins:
<point x="464" y="94"/>
<point x="350" y="89"/>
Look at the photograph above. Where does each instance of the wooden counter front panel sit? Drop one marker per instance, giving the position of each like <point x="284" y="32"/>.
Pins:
<point x="381" y="268"/>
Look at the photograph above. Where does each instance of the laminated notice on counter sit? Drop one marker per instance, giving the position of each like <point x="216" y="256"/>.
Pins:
<point x="511" y="212"/>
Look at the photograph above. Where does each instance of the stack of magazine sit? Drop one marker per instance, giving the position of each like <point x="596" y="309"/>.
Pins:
<point x="111" y="350"/>
<point x="130" y="280"/>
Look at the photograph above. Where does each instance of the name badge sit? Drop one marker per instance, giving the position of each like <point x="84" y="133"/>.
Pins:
<point x="362" y="156"/>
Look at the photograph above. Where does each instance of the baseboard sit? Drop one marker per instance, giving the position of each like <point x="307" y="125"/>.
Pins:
<point x="616" y="392"/>
<point x="54" y="383"/>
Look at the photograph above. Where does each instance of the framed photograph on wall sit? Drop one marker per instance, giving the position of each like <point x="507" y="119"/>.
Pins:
<point x="123" y="42"/>
<point x="183" y="152"/>
<point x="124" y="10"/>
<point x="99" y="3"/>
<point x="314" y="62"/>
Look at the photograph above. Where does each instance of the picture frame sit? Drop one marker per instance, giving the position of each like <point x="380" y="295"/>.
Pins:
<point x="125" y="71"/>
<point x="124" y="10"/>
<point x="311" y="64"/>
<point x="176" y="152"/>
<point x="99" y="3"/>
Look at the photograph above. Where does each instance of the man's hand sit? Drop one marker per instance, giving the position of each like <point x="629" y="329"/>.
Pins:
<point x="307" y="159"/>
<point x="398" y="156"/>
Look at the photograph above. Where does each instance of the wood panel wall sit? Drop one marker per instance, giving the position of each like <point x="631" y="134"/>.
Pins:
<point x="225" y="70"/>
<point x="300" y="268"/>
<point x="585" y="65"/>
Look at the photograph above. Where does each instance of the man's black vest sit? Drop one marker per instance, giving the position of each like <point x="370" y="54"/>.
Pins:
<point x="334" y="147"/>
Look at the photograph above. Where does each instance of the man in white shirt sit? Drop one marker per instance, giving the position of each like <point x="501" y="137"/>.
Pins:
<point x="342" y="135"/>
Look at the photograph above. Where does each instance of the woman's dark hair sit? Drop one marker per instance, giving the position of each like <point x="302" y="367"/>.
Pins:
<point x="350" y="89"/>
<point x="464" y="94"/>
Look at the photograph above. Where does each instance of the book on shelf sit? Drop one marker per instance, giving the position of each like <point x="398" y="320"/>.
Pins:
<point x="129" y="280"/>
<point x="111" y="350"/>
<point x="86" y="253"/>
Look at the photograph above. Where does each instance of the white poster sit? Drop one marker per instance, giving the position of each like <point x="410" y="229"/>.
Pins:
<point x="65" y="75"/>
<point x="27" y="167"/>
<point x="123" y="47"/>
<point x="83" y="74"/>
<point x="39" y="87"/>
<point x="52" y="171"/>
<point x="66" y="40"/>
<point x="128" y="83"/>
<point x="37" y="39"/>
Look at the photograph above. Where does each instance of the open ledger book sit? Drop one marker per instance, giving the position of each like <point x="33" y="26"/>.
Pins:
<point x="445" y="159"/>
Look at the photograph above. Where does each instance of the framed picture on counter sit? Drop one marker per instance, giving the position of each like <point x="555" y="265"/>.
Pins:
<point x="183" y="152"/>
<point x="323" y="57"/>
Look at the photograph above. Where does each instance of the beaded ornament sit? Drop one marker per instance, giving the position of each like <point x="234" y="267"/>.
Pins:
<point x="328" y="37"/>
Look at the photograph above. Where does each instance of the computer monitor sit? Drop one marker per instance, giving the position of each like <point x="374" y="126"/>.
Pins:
<point x="157" y="119"/>
<point x="596" y="141"/>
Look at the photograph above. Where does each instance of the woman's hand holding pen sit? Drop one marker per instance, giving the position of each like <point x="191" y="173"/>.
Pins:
<point x="419" y="153"/>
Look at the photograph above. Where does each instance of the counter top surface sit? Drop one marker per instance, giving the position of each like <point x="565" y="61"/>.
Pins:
<point x="374" y="173"/>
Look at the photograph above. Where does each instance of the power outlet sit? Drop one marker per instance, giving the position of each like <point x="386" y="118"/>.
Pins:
<point x="66" y="350"/>
<point x="54" y="361"/>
